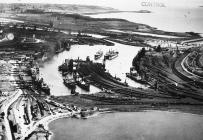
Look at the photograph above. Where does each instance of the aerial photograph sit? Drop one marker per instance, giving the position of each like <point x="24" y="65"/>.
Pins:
<point x="101" y="70"/>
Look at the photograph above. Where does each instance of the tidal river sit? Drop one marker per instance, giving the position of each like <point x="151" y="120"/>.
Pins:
<point x="150" y="125"/>
<point x="117" y="67"/>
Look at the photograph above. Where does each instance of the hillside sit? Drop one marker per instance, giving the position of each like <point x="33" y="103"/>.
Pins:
<point x="61" y="8"/>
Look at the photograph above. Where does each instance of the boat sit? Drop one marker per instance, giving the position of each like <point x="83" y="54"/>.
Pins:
<point x="45" y="88"/>
<point x="30" y="40"/>
<point x="98" y="55"/>
<point x="41" y="85"/>
<point x="63" y="67"/>
<point x="59" y="48"/>
<point x="136" y="78"/>
<point x="44" y="57"/>
<point x="111" y="54"/>
<point x="85" y="114"/>
<point x="69" y="82"/>
<point x="68" y="47"/>
<point x="84" y="85"/>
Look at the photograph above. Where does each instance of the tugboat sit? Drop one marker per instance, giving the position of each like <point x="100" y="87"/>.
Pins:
<point x="70" y="83"/>
<point x="111" y="54"/>
<point x="83" y="84"/>
<point x="98" y="55"/>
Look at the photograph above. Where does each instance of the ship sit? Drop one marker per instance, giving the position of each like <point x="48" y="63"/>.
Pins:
<point x="44" y="57"/>
<point x="98" y="55"/>
<point x="30" y="40"/>
<point x="135" y="77"/>
<point x="42" y="86"/>
<point x="111" y="54"/>
<point x="27" y="40"/>
<point x="69" y="82"/>
<point x="83" y="85"/>
<point x="59" y="48"/>
<point x="63" y="67"/>
<point x="68" y="47"/>
<point x="45" y="88"/>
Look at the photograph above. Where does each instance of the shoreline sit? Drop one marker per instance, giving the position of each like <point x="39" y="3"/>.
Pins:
<point x="46" y="125"/>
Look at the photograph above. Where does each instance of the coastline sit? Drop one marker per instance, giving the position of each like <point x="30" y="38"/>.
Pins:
<point x="47" y="125"/>
<point x="61" y="116"/>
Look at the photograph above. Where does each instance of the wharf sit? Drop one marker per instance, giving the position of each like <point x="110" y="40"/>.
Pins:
<point x="98" y="77"/>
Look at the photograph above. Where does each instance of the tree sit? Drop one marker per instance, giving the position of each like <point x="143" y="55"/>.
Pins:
<point x="158" y="48"/>
<point x="137" y="58"/>
<point x="88" y="59"/>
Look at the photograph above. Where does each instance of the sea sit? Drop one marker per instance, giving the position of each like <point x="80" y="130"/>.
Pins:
<point x="148" y="125"/>
<point x="167" y="19"/>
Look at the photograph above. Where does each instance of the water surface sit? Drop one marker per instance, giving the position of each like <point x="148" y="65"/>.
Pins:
<point x="117" y="67"/>
<point x="167" y="19"/>
<point x="152" y="125"/>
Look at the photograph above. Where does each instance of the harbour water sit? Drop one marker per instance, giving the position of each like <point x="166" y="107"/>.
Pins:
<point x="117" y="67"/>
<point x="150" y="125"/>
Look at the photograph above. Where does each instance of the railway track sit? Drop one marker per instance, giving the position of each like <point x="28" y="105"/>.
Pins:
<point x="102" y="79"/>
<point x="196" y="95"/>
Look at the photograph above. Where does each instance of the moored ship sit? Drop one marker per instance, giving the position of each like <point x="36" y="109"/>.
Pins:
<point x="83" y="84"/>
<point x="69" y="82"/>
<point x="45" y="88"/>
<point x="111" y="54"/>
<point x="133" y="75"/>
<point x="98" y="55"/>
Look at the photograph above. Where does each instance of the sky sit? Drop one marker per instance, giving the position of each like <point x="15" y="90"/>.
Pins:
<point x="119" y="4"/>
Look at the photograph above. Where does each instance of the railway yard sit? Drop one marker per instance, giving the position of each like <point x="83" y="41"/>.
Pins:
<point x="173" y="74"/>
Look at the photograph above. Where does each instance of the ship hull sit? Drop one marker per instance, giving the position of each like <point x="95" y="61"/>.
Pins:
<point x="111" y="57"/>
<point x="84" y="86"/>
<point x="135" y="79"/>
<point x="70" y="85"/>
<point x="96" y="57"/>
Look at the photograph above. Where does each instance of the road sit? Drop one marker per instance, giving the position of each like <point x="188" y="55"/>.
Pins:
<point x="33" y="125"/>
<point x="45" y="122"/>
<point x="11" y="99"/>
